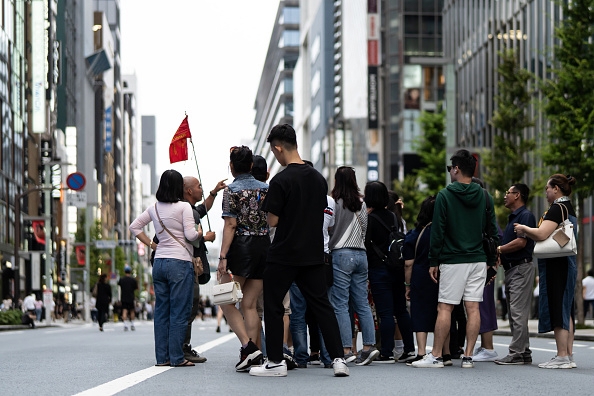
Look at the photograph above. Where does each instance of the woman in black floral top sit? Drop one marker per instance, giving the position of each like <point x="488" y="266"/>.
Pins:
<point x="243" y="251"/>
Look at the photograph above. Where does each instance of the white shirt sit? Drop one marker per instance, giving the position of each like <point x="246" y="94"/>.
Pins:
<point x="588" y="285"/>
<point x="29" y="303"/>
<point x="328" y="221"/>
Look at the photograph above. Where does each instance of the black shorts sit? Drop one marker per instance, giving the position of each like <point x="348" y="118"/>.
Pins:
<point x="128" y="306"/>
<point x="247" y="256"/>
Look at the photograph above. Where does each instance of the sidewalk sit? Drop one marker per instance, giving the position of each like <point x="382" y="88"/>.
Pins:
<point x="43" y="325"/>
<point x="580" y="335"/>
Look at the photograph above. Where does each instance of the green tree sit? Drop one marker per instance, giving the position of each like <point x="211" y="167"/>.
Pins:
<point x="569" y="108"/>
<point x="431" y="148"/>
<point x="507" y="162"/>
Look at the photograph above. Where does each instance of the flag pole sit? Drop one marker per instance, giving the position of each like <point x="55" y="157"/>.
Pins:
<point x="200" y="178"/>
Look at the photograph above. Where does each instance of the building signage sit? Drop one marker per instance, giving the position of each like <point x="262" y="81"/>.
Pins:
<point x="372" y="167"/>
<point x="38" y="65"/>
<point x="108" y="135"/>
<point x="372" y="98"/>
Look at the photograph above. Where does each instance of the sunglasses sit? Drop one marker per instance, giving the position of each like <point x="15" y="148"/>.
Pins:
<point x="511" y="192"/>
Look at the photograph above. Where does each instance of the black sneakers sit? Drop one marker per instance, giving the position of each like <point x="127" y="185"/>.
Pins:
<point x="248" y="356"/>
<point x="192" y="355"/>
<point x="406" y="357"/>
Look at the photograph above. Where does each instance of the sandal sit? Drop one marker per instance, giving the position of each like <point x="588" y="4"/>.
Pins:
<point x="185" y="363"/>
<point x="163" y="364"/>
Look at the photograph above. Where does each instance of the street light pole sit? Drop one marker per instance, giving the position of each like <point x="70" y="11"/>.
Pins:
<point x="49" y="260"/>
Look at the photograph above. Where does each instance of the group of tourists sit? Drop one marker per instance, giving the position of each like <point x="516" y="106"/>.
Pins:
<point x="308" y="260"/>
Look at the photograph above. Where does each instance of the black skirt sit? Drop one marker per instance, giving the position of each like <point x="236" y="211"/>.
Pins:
<point x="247" y="256"/>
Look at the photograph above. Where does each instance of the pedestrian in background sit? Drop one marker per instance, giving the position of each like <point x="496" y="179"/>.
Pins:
<point x="558" y="274"/>
<point x="173" y="271"/>
<point x="243" y="251"/>
<point x="128" y="286"/>
<point x="588" y="292"/>
<point x="515" y="255"/>
<point x="103" y="300"/>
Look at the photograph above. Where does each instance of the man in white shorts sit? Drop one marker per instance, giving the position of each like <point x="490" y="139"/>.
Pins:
<point x="456" y="255"/>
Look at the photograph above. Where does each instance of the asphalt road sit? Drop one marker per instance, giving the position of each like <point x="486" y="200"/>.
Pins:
<point x="77" y="359"/>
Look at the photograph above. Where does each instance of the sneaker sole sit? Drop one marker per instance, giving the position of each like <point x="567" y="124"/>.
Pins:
<point x="389" y="361"/>
<point x="341" y="373"/>
<point x="468" y="366"/>
<point x="557" y="366"/>
<point x="248" y="361"/>
<point x="510" y="363"/>
<point x="432" y="366"/>
<point x="369" y="358"/>
<point x="350" y="359"/>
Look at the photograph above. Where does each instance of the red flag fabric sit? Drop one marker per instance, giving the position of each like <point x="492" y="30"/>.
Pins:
<point x="178" y="149"/>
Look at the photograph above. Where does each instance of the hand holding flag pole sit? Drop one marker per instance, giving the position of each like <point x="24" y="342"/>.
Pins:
<point x="178" y="150"/>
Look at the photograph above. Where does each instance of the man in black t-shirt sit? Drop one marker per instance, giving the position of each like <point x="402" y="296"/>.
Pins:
<point x="295" y="204"/>
<point x="127" y="286"/>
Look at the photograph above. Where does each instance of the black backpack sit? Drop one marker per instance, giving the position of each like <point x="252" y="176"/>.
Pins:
<point x="393" y="259"/>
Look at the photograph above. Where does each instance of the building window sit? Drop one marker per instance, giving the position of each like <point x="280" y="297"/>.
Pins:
<point x="290" y="15"/>
<point x="290" y="38"/>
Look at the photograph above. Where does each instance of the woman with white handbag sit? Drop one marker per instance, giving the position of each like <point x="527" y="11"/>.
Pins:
<point x="555" y="248"/>
<point x="243" y="253"/>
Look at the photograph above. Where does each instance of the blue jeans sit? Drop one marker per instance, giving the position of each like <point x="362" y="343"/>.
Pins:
<point x="173" y="281"/>
<point x="350" y="281"/>
<point x="298" y="328"/>
<point x="388" y="291"/>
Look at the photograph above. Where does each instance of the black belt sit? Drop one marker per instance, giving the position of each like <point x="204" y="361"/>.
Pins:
<point x="510" y="264"/>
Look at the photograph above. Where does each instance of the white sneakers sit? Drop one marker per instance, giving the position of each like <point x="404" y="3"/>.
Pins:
<point x="558" y="362"/>
<point x="484" y="355"/>
<point x="428" y="361"/>
<point x="270" y="369"/>
<point x="340" y="368"/>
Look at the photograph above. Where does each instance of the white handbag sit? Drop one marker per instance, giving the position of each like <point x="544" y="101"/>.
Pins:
<point x="560" y="243"/>
<point x="227" y="293"/>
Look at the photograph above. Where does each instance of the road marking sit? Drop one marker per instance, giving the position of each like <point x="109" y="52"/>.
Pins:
<point x="11" y="332"/>
<point x="579" y="345"/>
<point x="127" y="381"/>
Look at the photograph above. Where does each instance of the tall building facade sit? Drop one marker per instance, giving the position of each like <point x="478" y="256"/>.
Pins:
<point x="274" y="98"/>
<point x="413" y="78"/>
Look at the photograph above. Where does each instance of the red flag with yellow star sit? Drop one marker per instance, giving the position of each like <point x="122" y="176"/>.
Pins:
<point x="178" y="149"/>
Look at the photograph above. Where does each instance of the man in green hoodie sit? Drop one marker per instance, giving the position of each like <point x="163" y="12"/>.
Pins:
<point x="456" y="255"/>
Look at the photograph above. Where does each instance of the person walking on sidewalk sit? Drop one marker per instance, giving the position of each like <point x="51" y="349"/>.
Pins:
<point x="515" y="254"/>
<point x="459" y="220"/>
<point x="103" y="300"/>
<point x="295" y="204"/>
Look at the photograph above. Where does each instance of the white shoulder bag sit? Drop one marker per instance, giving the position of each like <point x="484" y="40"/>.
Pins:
<point x="560" y="243"/>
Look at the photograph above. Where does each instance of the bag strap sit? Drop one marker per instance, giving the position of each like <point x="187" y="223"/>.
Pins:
<point x="383" y="223"/>
<point x="563" y="212"/>
<point x="375" y="248"/>
<point x="419" y="238"/>
<point x="487" y="212"/>
<point x="167" y="229"/>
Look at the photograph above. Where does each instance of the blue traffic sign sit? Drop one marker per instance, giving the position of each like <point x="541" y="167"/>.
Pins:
<point x="76" y="181"/>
